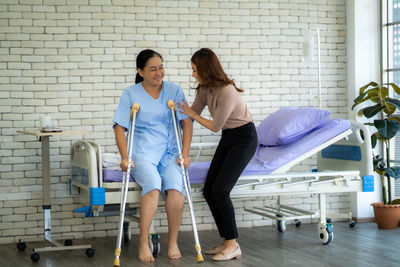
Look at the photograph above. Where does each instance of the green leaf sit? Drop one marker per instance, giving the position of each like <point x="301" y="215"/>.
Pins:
<point x="380" y="171"/>
<point x="395" y="88"/>
<point x="371" y="111"/>
<point x="366" y="86"/>
<point x="387" y="128"/>
<point x="373" y="140"/>
<point x="393" y="172"/>
<point x="396" y="201"/>
<point x="373" y="94"/>
<point x="384" y="92"/>
<point x="379" y="137"/>
<point x="393" y="101"/>
<point x="379" y="163"/>
<point x="359" y="100"/>
<point x="389" y="109"/>
<point x="395" y="118"/>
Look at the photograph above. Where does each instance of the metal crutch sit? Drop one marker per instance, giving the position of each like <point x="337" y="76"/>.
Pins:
<point x="125" y="183"/>
<point x="186" y="182"/>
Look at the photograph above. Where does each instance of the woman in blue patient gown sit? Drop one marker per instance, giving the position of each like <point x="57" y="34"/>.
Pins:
<point x="155" y="153"/>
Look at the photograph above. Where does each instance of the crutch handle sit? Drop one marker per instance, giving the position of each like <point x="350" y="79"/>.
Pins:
<point x="135" y="107"/>
<point x="171" y="104"/>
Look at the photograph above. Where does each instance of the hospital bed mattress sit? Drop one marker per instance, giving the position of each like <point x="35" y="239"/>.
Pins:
<point x="268" y="159"/>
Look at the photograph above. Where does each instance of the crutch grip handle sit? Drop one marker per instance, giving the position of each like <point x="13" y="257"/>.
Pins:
<point x="135" y="107"/>
<point x="171" y="104"/>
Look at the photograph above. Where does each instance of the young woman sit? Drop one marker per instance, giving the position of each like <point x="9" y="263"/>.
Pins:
<point x="237" y="145"/>
<point x="155" y="152"/>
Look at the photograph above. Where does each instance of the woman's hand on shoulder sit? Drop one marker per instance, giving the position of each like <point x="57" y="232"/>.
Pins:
<point x="185" y="109"/>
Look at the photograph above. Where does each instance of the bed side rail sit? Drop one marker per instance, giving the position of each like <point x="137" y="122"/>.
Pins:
<point x="84" y="169"/>
<point x="99" y="156"/>
<point x="199" y="147"/>
<point x="350" y="153"/>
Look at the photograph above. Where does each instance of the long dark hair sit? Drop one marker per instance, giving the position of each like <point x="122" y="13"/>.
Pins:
<point x="210" y="70"/>
<point x="142" y="59"/>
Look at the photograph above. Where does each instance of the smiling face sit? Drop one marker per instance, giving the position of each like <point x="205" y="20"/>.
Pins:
<point x="195" y="74"/>
<point x="153" y="72"/>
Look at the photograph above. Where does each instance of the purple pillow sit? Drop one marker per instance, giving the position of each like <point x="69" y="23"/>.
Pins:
<point x="286" y="125"/>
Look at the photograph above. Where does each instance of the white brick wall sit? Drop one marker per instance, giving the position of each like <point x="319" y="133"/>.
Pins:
<point x="71" y="59"/>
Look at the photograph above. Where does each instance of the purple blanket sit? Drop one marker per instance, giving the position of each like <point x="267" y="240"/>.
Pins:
<point x="114" y="176"/>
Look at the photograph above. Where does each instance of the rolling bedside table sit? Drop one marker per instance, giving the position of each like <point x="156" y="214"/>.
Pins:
<point x="44" y="137"/>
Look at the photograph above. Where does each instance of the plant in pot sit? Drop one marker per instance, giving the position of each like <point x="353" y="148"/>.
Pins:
<point x="386" y="123"/>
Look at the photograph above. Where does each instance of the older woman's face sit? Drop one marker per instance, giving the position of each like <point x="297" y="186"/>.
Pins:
<point x="153" y="73"/>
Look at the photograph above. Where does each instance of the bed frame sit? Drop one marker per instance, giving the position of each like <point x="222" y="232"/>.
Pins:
<point x="344" y="164"/>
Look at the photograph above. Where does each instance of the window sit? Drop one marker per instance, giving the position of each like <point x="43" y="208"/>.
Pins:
<point x="391" y="40"/>
<point x="390" y="44"/>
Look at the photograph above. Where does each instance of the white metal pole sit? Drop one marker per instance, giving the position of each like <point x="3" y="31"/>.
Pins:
<point x="186" y="182"/>
<point x="319" y="67"/>
<point x="125" y="183"/>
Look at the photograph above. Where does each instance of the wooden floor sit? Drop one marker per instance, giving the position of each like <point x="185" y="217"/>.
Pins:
<point x="364" y="245"/>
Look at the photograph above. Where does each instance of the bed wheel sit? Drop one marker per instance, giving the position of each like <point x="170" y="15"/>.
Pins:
<point x="352" y="224"/>
<point x="281" y="226"/>
<point x="298" y="223"/>
<point x="325" y="232"/>
<point x="90" y="252"/>
<point x="35" y="257"/>
<point x="154" y="243"/>
<point x="68" y="242"/>
<point x="21" y="246"/>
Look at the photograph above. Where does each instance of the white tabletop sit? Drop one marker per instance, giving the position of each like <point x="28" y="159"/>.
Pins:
<point x="48" y="133"/>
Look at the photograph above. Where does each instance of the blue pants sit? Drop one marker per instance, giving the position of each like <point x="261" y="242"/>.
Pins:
<point x="162" y="176"/>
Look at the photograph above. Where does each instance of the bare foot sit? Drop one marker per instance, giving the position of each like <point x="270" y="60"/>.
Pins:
<point x="144" y="252"/>
<point x="173" y="251"/>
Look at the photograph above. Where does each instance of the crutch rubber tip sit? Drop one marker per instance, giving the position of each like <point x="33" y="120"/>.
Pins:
<point x="200" y="258"/>
<point x="116" y="262"/>
<point x="171" y="104"/>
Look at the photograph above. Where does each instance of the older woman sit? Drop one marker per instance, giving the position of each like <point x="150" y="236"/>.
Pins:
<point x="155" y="152"/>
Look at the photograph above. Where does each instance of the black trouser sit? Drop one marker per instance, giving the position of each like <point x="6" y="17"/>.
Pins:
<point x="234" y="151"/>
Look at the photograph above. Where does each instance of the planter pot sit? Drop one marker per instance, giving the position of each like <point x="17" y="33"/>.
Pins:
<point x="386" y="216"/>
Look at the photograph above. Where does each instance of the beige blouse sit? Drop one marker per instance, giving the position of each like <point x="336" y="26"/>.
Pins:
<point x="226" y="107"/>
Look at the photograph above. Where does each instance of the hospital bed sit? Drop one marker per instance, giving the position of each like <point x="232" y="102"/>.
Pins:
<point x="344" y="164"/>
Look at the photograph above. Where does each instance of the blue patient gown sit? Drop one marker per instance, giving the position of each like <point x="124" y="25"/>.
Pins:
<point x="154" y="137"/>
